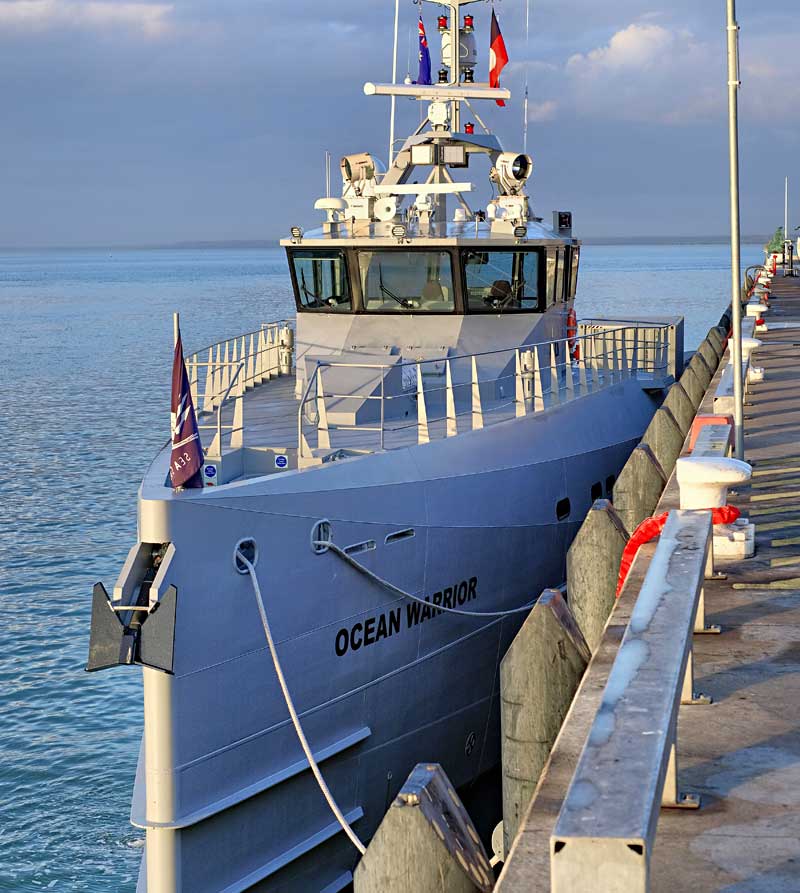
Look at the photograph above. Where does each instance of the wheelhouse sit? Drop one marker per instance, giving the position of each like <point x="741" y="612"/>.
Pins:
<point x="433" y="279"/>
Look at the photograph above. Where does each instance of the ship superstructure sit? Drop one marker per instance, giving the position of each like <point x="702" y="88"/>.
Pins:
<point x="436" y="413"/>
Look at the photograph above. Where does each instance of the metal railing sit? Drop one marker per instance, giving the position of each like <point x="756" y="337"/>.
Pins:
<point x="389" y="405"/>
<point x="227" y="369"/>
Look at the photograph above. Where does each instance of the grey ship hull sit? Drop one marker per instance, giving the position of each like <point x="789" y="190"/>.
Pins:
<point x="238" y="807"/>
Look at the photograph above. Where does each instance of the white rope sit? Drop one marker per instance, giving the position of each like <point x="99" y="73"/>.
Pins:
<point x="401" y="592"/>
<point x="293" y="713"/>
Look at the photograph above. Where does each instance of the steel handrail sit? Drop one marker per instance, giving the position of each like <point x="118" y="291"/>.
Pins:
<point x="264" y="325"/>
<point x="658" y="361"/>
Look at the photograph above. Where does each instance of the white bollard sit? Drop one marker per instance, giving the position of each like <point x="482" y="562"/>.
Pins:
<point x="703" y="483"/>
<point x="748" y="346"/>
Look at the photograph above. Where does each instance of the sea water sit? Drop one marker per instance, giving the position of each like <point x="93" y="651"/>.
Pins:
<point x="85" y="356"/>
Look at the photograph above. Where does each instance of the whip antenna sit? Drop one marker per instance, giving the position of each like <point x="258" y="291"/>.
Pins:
<point x="527" y="66"/>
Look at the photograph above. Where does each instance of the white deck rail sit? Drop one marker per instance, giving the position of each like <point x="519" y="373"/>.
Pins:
<point x="473" y="390"/>
<point x="227" y="369"/>
<point x="603" y="839"/>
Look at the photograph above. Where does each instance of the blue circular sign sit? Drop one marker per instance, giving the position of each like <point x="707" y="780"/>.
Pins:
<point x="281" y="461"/>
<point x="210" y="471"/>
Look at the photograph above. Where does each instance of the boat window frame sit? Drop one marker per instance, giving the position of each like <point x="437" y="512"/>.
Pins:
<point x="561" y="279"/>
<point x="299" y="305"/>
<point x="575" y="262"/>
<point x="357" y="291"/>
<point x="541" y="277"/>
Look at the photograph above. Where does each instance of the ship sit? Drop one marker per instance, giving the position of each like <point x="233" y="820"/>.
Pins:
<point x="390" y="479"/>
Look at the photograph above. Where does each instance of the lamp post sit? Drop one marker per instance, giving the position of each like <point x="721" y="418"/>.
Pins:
<point x="736" y="264"/>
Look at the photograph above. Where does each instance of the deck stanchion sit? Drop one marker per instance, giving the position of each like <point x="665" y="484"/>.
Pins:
<point x="554" y="377"/>
<point x="568" y="372"/>
<point x="323" y="434"/>
<point x="477" y="409"/>
<point x="538" y="392"/>
<point x="452" y="419"/>
<point x="423" y="434"/>
<point x="519" y="387"/>
<point x="582" y="380"/>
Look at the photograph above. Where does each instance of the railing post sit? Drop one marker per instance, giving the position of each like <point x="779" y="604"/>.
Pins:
<point x="237" y="431"/>
<point x="538" y="392"/>
<point x="208" y="392"/>
<point x="323" y="434"/>
<point x="582" y="380"/>
<point x="570" y="381"/>
<point x="519" y="390"/>
<point x="423" y="435"/>
<point x="555" y="384"/>
<point x="477" y="410"/>
<point x="452" y="419"/>
<point x="383" y="397"/>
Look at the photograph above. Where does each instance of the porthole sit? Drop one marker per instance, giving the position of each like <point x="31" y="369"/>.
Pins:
<point x="563" y="509"/>
<point x="597" y="491"/>
<point x="610" y="481"/>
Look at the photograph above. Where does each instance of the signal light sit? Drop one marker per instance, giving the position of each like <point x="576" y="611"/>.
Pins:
<point x="469" y="23"/>
<point x="443" y="23"/>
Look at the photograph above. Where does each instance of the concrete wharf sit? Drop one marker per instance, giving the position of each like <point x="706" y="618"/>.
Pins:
<point x="741" y="753"/>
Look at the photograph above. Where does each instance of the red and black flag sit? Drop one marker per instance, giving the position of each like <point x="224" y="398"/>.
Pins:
<point x="187" y="454"/>
<point x="498" y="56"/>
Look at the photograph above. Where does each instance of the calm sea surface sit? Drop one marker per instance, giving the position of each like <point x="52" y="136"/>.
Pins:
<point x="85" y="352"/>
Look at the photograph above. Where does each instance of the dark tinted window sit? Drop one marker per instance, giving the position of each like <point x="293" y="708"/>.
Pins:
<point x="597" y="491"/>
<point x="563" y="509"/>
<point x="406" y="281"/>
<point x="610" y="486"/>
<point x="502" y="281"/>
<point x="321" y="281"/>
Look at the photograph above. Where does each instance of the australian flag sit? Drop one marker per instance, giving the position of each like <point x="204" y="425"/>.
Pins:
<point x="186" y="464"/>
<point x="424" y="76"/>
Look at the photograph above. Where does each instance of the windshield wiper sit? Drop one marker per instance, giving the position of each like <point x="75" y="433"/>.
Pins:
<point x="406" y="305"/>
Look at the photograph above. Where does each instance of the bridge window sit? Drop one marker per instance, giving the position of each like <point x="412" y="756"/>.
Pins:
<point x="502" y="281"/>
<point x="576" y="258"/>
<point x="406" y="281"/>
<point x="320" y="280"/>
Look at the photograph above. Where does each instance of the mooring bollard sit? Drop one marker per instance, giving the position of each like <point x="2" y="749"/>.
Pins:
<point x="639" y="487"/>
<point x="425" y="843"/>
<point x="704" y="483"/>
<point x="539" y="676"/>
<point x="593" y="568"/>
<point x="665" y="438"/>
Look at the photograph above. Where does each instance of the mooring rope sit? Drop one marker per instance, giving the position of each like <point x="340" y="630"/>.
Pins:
<point x="293" y="713"/>
<point x="332" y="547"/>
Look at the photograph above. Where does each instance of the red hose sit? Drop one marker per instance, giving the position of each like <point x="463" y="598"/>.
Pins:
<point x="650" y="528"/>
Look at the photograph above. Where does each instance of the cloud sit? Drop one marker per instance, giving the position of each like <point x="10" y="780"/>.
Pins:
<point x="651" y="74"/>
<point x="542" y="111"/>
<point x="151" y="19"/>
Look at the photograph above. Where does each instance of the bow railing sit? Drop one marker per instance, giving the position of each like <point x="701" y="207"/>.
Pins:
<point x="226" y="370"/>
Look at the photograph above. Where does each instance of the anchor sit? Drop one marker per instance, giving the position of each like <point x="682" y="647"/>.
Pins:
<point x="148" y="643"/>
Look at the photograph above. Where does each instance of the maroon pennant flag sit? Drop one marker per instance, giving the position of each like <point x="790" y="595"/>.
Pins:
<point x="186" y="462"/>
<point x="498" y="56"/>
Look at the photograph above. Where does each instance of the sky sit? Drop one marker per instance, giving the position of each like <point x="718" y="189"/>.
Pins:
<point x="159" y="122"/>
